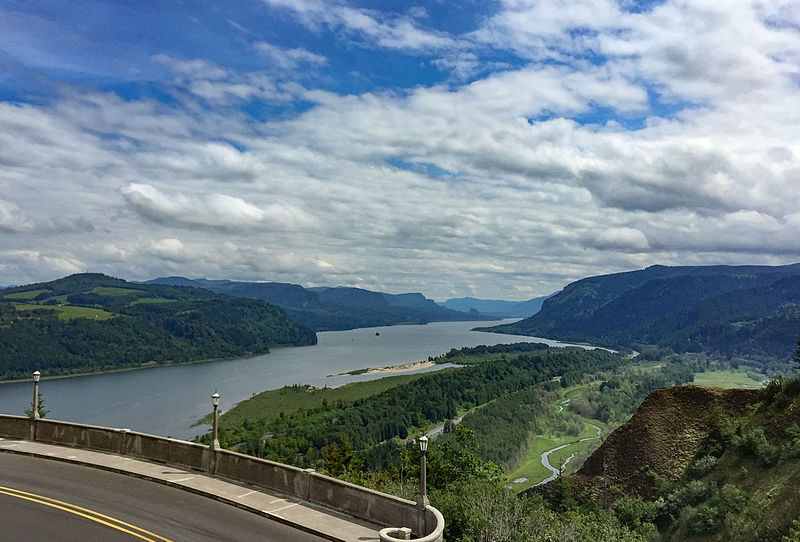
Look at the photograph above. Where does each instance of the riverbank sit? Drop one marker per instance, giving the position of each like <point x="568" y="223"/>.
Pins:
<point x="140" y="367"/>
<point x="391" y="369"/>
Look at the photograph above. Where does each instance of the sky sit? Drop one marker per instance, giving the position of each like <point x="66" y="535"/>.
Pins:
<point x="496" y="149"/>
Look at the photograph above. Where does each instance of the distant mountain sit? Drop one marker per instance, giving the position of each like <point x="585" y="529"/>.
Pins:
<point x="325" y="309"/>
<point x="90" y="322"/>
<point x="751" y="311"/>
<point x="183" y="281"/>
<point x="496" y="307"/>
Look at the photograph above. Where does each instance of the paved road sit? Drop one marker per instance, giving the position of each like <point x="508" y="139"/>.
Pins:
<point x="554" y="472"/>
<point x="42" y="499"/>
<point x="439" y="429"/>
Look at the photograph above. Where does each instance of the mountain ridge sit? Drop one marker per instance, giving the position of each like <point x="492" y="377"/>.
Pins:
<point x="497" y="307"/>
<point x="334" y="308"/>
<point x="749" y="311"/>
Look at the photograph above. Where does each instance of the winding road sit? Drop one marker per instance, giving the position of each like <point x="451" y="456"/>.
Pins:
<point x="554" y="472"/>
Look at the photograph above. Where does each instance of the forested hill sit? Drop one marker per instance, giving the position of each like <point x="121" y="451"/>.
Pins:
<point x="750" y="311"/>
<point x="326" y="309"/>
<point x="90" y="322"/>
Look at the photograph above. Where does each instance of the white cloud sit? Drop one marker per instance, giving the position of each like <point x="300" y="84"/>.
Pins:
<point x="12" y="219"/>
<point x="218" y="211"/>
<point x="289" y="58"/>
<point x="391" y="32"/>
<point x="516" y="182"/>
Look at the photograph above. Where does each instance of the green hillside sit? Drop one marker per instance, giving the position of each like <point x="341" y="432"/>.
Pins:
<point x="748" y="311"/>
<point x="92" y="322"/>
<point x="698" y="463"/>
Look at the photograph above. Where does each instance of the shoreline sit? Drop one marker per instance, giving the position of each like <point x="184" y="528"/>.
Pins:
<point x="391" y="369"/>
<point x="146" y="365"/>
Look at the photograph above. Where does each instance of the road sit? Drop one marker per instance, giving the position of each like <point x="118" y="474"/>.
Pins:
<point x="554" y="472"/>
<point x="41" y="499"/>
<point x="439" y="429"/>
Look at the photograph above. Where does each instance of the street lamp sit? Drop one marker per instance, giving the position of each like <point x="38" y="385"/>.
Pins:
<point x="215" y="440"/>
<point x="423" y="501"/>
<point x="35" y="409"/>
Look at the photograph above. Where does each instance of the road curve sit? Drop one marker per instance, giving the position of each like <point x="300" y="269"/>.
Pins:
<point x="554" y="472"/>
<point x="42" y="499"/>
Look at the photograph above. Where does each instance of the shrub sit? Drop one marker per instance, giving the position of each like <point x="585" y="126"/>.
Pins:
<point x="702" y="466"/>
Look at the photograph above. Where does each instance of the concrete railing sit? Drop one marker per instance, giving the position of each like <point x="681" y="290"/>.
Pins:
<point x="303" y="484"/>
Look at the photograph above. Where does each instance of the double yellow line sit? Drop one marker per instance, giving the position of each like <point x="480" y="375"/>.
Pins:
<point x="85" y="513"/>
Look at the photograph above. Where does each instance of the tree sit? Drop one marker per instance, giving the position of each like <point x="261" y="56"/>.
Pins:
<point x="42" y="410"/>
<point x="796" y="356"/>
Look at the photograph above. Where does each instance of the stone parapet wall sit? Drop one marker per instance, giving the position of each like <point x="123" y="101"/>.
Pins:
<point x="303" y="484"/>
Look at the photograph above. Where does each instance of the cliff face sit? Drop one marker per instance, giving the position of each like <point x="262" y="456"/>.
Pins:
<point x="664" y="435"/>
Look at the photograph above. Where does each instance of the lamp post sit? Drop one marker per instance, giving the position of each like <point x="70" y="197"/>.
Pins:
<point x="423" y="501"/>
<point x="215" y="440"/>
<point x="35" y="409"/>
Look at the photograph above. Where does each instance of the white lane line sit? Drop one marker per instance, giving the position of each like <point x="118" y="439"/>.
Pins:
<point x="182" y="479"/>
<point x="246" y="494"/>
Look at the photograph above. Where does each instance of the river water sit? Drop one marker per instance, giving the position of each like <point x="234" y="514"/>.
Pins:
<point x="168" y="400"/>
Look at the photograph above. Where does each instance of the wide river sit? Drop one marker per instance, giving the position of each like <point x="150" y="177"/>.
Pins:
<point x="168" y="400"/>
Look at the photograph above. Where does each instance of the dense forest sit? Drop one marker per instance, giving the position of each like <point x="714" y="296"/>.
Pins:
<point x="91" y="322"/>
<point x="368" y="425"/>
<point x="751" y="312"/>
<point x="508" y="393"/>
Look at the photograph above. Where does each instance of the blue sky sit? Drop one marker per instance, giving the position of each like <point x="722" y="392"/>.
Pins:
<point x="495" y="149"/>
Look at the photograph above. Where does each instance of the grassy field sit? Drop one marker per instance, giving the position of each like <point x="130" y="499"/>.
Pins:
<point x="152" y="300"/>
<point x="269" y="404"/>
<point x="112" y="291"/>
<point x="25" y="295"/>
<point x="531" y="465"/>
<point x="67" y="312"/>
<point x="726" y="379"/>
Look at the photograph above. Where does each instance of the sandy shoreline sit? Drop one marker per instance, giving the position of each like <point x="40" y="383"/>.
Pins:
<point x="392" y="369"/>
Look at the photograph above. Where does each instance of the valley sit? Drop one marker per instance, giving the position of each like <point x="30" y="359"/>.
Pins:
<point x="505" y="417"/>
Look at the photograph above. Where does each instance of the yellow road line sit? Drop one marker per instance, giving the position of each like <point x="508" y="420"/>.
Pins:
<point x="84" y="512"/>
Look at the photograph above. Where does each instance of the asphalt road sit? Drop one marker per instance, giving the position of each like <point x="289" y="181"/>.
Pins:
<point x="42" y="500"/>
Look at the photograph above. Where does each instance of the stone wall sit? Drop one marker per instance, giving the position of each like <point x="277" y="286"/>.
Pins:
<point x="304" y="484"/>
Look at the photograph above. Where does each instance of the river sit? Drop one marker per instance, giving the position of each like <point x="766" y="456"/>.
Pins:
<point x="168" y="400"/>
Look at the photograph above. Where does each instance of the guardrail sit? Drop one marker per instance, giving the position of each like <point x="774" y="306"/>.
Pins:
<point x="303" y="484"/>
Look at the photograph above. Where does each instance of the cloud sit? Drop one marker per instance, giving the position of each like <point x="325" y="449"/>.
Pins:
<point x="377" y="29"/>
<point x="216" y="211"/>
<point x="12" y="219"/>
<point x="289" y="58"/>
<point x="568" y="140"/>
<point x="624" y="239"/>
<point x="222" y="86"/>
<point x="170" y="249"/>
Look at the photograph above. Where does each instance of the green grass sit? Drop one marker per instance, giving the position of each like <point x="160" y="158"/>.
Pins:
<point x="113" y="291"/>
<point x="269" y="404"/>
<point x="67" y="312"/>
<point x="726" y="379"/>
<point x="531" y="467"/>
<point x="26" y="295"/>
<point x="152" y="300"/>
<point x="559" y="457"/>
